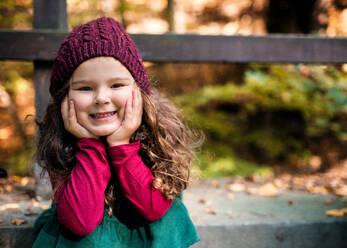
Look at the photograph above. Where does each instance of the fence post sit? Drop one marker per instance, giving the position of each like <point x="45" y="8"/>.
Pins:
<point x="48" y="14"/>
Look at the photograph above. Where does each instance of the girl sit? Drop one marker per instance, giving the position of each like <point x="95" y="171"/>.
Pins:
<point x="117" y="153"/>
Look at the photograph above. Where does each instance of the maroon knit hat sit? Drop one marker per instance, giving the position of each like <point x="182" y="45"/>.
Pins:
<point x="101" y="37"/>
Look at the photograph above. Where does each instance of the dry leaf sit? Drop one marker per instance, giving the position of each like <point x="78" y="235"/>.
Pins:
<point x="202" y="201"/>
<point x="33" y="203"/>
<point x="290" y="203"/>
<point x="231" y="196"/>
<point x="342" y="191"/>
<point x="210" y="211"/>
<point x="237" y="187"/>
<point x="214" y="183"/>
<point x="278" y="183"/>
<point x="18" y="221"/>
<point x="9" y="188"/>
<point x="336" y="212"/>
<point x="44" y="207"/>
<point x="317" y="190"/>
<point x="252" y="191"/>
<point x="24" y="181"/>
<point x="17" y="179"/>
<point x="9" y="207"/>
<point x="267" y="190"/>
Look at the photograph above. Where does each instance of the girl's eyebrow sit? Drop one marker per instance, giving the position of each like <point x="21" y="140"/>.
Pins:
<point x="121" y="79"/>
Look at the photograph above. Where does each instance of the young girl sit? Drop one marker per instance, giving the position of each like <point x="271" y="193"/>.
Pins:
<point x="117" y="153"/>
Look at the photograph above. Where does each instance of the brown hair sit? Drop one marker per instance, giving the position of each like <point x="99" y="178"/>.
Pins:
<point x="167" y="145"/>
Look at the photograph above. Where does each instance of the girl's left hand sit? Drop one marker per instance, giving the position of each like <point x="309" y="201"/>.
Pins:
<point x="131" y="120"/>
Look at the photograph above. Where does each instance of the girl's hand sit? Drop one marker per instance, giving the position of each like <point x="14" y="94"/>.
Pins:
<point x="70" y="120"/>
<point x="131" y="120"/>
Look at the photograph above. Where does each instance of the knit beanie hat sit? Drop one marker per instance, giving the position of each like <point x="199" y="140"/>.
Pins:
<point x="101" y="37"/>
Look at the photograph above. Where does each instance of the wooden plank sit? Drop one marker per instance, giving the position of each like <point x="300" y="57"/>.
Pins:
<point x="50" y="14"/>
<point x="42" y="79"/>
<point x="43" y="44"/>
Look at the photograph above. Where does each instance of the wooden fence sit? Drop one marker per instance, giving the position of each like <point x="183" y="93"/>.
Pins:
<point x="50" y="27"/>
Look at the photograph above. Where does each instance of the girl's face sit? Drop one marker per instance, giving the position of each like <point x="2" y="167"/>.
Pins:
<point x="99" y="88"/>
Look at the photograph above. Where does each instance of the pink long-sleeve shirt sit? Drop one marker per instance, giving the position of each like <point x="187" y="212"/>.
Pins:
<point x="80" y="205"/>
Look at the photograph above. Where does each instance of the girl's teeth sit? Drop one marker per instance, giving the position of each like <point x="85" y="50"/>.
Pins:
<point x="103" y="115"/>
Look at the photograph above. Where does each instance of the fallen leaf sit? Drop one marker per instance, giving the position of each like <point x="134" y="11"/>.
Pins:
<point x="44" y="207"/>
<point x="328" y="201"/>
<point x="17" y="179"/>
<point x="252" y="191"/>
<point x="9" y="188"/>
<point x="317" y="190"/>
<point x="231" y="196"/>
<point x="336" y="212"/>
<point x="202" y="201"/>
<point x="9" y="207"/>
<point x="18" y="221"/>
<point x="1" y="222"/>
<point x="290" y="203"/>
<point x="278" y="183"/>
<point x="214" y="183"/>
<point x="33" y="203"/>
<point x="237" y="187"/>
<point x="341" y="191"/>
<point x="24" y="181"/>
<point x="267" y="190"/>
<point x="210" y="211"/>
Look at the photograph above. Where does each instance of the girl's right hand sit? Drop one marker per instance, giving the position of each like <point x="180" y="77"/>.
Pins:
<point x="70" y="120"/>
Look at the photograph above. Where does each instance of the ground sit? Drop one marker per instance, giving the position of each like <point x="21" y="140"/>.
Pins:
<point x="18" y="205"/>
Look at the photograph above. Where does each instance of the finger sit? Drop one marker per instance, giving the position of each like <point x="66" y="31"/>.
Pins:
<point x="128" y="109"/>
<point x="123" y="110"/>
<point x="64" y="109"/>
<point x="131" y="100"/>
<point x="130" y="104"/>
<point x="72" y="113"/>
<point x="138" y="104"/>
<point x="134" y="95"/>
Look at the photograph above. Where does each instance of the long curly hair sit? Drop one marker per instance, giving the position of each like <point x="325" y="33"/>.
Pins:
<point x="167" y="146"/>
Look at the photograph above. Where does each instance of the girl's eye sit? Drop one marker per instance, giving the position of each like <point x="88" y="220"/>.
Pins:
<point x="116" y="85"/>
<point x="84" y="88"/>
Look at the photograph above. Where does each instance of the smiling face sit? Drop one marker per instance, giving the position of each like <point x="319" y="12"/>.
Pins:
<point x="99" y="88"/>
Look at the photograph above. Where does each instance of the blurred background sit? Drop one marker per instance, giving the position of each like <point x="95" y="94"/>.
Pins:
<point x="258" y="119"/>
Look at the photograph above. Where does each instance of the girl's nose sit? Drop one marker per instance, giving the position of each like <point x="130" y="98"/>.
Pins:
<point x="101" y="97"/>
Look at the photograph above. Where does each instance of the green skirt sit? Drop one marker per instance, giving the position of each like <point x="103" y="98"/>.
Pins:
<point x="175" y="229"/>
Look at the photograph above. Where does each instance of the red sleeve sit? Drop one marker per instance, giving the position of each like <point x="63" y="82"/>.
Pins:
<point x="80" y="204"/>
<point x="136" y="181"/>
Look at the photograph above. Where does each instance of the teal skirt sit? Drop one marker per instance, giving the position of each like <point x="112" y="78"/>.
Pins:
<point x="175" y="229"/>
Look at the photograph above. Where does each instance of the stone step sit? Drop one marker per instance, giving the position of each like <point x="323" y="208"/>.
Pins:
<point x="290" y="219"/>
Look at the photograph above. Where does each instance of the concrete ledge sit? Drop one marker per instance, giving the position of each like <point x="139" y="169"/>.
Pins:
<point x="16" y="237"/>
<point x="310" y="235"/>
<point x="287" y="220"/>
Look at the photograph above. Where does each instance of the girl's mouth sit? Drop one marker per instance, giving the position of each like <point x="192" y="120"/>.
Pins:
<point x="103" y="116"/>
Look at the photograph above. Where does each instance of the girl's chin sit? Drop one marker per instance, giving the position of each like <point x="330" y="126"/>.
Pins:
<point x="101" y="133"/>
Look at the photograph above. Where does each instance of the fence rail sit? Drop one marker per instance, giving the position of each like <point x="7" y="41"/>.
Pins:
<point x="42" y="44"/>
<point x="50" y="27"/>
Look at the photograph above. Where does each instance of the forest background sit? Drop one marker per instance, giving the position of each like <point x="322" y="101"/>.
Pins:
<point x="257" y="118"/>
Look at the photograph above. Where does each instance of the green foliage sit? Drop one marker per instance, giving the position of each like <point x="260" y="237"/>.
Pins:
<point x="12" y="74"/>
<point x="21" y="163"/>
<point x="16" y="14"/>
<point x="268" y="118"/>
